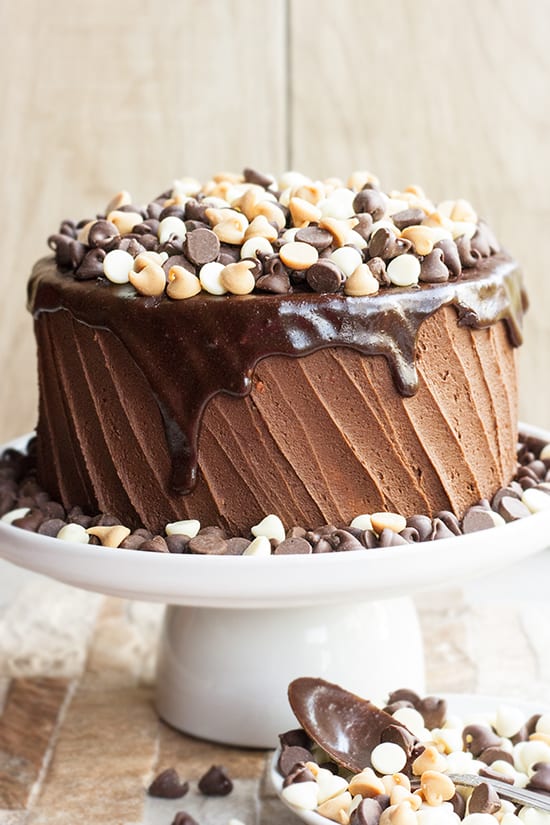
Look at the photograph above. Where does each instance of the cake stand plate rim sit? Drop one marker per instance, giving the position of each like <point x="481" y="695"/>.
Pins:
<point x="275" y="581"/>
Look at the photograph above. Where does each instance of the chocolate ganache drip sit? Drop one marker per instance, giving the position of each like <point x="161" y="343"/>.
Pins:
<point x="189" y="351"/>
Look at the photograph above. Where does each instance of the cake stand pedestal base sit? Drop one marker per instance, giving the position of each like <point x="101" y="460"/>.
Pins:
<point x="223" y="673"/>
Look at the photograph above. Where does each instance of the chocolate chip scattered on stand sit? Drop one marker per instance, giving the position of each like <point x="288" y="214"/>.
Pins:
<point x="232" y="217"/>
<point x="25" y="505"/>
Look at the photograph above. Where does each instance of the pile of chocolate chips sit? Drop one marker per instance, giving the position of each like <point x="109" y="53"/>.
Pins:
<point x="19" y="489"/>
<point x="168" y="785"/>
<point x="294" y="235"/>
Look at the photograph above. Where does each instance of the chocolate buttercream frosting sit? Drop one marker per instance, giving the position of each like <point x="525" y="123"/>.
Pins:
<point x="190" y="351"/>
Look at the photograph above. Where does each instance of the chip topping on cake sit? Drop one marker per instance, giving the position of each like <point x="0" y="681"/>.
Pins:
<point x="263" y="235"/>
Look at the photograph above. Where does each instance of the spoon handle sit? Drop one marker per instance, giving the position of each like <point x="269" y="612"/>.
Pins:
<point x="533" y="799"/>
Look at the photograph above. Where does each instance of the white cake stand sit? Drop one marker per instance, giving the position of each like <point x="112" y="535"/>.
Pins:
<point x="238" y="629"/>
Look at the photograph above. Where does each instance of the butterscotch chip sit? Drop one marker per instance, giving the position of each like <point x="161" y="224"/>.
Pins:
<point x="303" y="212"/>
<point x="361" y="282"/>
<point x="124" y="221"/>
<point x="182" y="283"/>
<point x="110" y="536"/>
<point x="260" y="227"/>
<point x="237" y="278"/>
<point x="151" y="280"/>
<point x="298" y="255"/>
<point x="388" y="521"/>
<point x="230" y="231"/>
<point x="422" y="238"/>
<point x="338" y="228"/>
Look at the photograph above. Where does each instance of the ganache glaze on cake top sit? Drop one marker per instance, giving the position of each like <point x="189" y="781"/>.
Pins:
<point x="190" y="350"/>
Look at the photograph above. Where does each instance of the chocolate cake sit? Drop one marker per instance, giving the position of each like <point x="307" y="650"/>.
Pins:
<point x="304" y="348"/>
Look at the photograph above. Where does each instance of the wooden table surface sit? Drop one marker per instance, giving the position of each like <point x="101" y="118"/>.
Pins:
<point x="79" y="738"/>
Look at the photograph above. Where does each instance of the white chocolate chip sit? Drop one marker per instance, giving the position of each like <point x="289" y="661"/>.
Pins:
<point x="347" y="258"/>
<point x="508" y="721"/>
<point x="13" y="515"/>
<point x="362" y="522"/>
<point x="395" y="205"/>
<point x="298" y="255"/>
<point x="338" y="205"/>
<point x="543" y="724"/>
<point x="210" y="278"/>
<point x="271" y="527"/>
<point x="74" y="532"/>
<point x="388" y="758"/>
<point x="252" y="246"/>
<point x="290" y="234"/>
<point x="261" y="546"/>
<point x="412" y="719"/>
<point x="169" y="226"/>
<point x="404" y="270"/>
<point x="463" y="228"/>
<point x="290" y="179"/>
<point x="122" y="198"/>
<point x="526" y="754"/>
<point x="336" y="808"/>
<point x="188" y="187"/>
<point x="117" y="265"/>
<point x="329" y="785"/>
<point x="545" y="453"/>
<point x="188" y="527"/>
<point x="301" y="795"/>
<point x="535" y="500"/>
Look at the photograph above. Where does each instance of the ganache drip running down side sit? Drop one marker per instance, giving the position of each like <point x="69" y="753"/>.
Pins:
<point x="189" y="351"/>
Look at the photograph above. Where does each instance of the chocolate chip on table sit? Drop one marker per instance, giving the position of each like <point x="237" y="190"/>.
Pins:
<point x="183" y="818"/>
<point x="168" y="785"/>
<point x="290" y="756"/>
<point x="215" y="782"/>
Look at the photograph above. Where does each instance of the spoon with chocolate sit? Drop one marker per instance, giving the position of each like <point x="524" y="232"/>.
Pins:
<point x="345" y="726"/>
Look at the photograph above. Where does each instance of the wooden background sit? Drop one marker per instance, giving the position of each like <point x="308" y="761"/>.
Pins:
<point x="98" y="96"/>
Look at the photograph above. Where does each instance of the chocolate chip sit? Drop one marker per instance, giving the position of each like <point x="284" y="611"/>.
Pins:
<point x="369" y="539"/>
<point x="478" y="518"/>
<point x="440" y="530"/>
<point x="459" y="805"/>
<point x="105" y="520"/>
<point x="215" y="782"/>
<point x="31" y="522"/>
<point x="290" y="756"/>
<point x="173" y="246"/>
<point x="399" y="735"/>
<point x="259" y="178"/>
<point x="433" y="269"/>
<point x="275" y="277"/>
<point x="540" y="779"/>
<point x="368" y="812"/>
<point x="201" y="246"/>
<point x="133" y="246"/>
<point x="451" y="258"/>
<point x="183" y="818"/>
<point x="291" y="546"/>
<point x="296" y="532"/>
<point x="91" y="266"/>
<point x="422" y="524"/>
<point x="167" y="785"/>
<point x="153" y="210"/>
<point x="172" y="211"/>
<point x="410" y="534"/>
<point x="494" y="752"/>
<point x="408" y="217"/>
<point x="177" y="544"/>
<point x="468" y="257"/>
<point x="512" y="509"/>
<point x="488" y="773"/>
<point x="371" y="201"/>
<point x="132" y="542"/>
<point x="196" y="211"/>
<point x="53" y="510"/>
<point x="101" y="231"/>
<point x="299" y="773"/>
<point x="62" y="245"/>
<point x="296" y="737"/>
<point x="178" y="260"/>
<point x="343" y="540"/>
<point x="315" y="236"/>
<point x="477" y="738"/>
<point x="148" y="227"/>
<point x="155" y="545"/>
<point x="389" y="538"/>
<point x="208" y="545"/>
<point x="322" y="546"/>
<point x="383" y="243"/>
<point x="393" y="706"/>
<point x="433" y="710"/>
<point x="324" y="276"/>
<point x="404" y="694"/>
<point x="484" y="800"/>
<point x="236" y="546"/>
<point x="229" y="254"/>
<point x="363" y="226"/>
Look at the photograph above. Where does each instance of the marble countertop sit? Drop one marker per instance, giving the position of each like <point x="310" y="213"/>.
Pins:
<point x="80" y="741"/>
